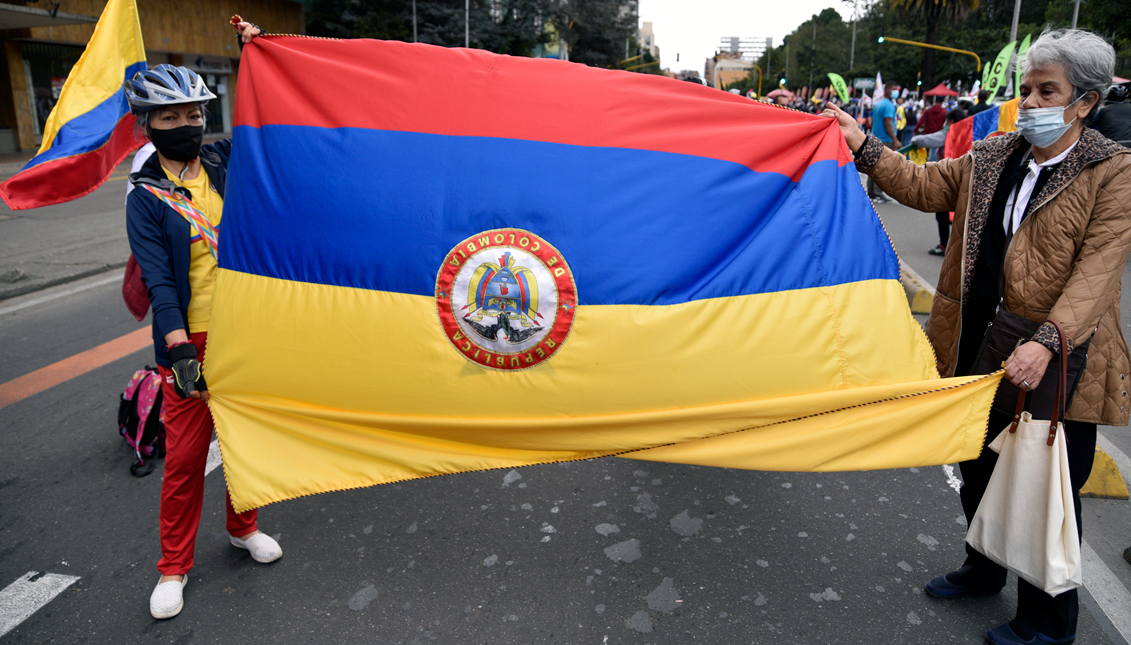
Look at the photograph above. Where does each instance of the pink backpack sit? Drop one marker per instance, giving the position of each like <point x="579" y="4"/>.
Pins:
<point x="141" y="420"/>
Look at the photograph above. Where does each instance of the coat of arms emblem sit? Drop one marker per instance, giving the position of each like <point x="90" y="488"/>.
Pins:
<point x="506" y="299"/>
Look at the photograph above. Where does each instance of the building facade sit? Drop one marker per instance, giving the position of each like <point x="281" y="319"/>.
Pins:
<point x="648" y="41"/>
<point x="41" y="47"/>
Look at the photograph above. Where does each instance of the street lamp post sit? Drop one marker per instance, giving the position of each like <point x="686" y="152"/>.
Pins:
<point x="467" y="23"/>
<point x="414" y="21"/>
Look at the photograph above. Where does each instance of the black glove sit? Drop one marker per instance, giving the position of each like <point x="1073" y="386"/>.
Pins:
<point x="187" y="376"/>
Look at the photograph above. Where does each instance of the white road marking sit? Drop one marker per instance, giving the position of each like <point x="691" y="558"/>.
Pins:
<point x="1110" y="594"/>
<point x="25" y="596"/>
<point x="214" y="459"/>
<point x="1117" y="456"/>
<point x="116" y="276"/>
<point x="951" y="480"/>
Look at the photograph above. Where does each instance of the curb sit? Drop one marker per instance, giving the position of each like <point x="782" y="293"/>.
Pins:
<point x="920" y="294"/>
<point x="32" y="287"/>
<point x="1105" y="482"/>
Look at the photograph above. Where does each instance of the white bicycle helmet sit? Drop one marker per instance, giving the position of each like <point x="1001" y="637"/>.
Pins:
<point x="165" y="85"/>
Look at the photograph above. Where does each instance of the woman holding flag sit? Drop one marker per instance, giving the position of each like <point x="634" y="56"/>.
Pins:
<point x="1042" y="231"/>
<point x="173" y="218"/>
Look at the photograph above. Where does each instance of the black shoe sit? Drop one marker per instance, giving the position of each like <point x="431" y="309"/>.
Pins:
<point x="1127" y="554"/>
<point x="938" y="250"/>
<point x="942" y="587"/>
<point x="1007" y="635"/>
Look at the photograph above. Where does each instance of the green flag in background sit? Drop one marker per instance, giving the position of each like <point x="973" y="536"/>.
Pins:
<point x="840" y="85"/>
<point x="999" y="73"/>
<point x="1022" y="51"/>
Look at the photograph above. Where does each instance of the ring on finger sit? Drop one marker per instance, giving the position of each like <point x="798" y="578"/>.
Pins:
<point x="1025" y="383"/>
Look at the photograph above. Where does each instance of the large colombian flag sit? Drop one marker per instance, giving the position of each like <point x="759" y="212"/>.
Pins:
<point x="443" y="260"/>
<point x="90" y="130"/>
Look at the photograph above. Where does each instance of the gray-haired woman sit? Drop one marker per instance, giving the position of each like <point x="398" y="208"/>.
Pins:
<point x="1042" y="228"/>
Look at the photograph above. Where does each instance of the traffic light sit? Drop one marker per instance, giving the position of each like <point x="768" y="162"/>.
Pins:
<point x="881" y="38"/>
<point x="782" y="81"/>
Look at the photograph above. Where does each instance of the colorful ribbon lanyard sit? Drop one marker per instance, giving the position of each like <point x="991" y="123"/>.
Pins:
<point x="195" y="218"/>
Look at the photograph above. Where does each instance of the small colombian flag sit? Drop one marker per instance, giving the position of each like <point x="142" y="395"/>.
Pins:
<point x="90" y="130"/>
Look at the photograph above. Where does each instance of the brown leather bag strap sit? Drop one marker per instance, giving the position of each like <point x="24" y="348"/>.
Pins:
<point x="1017" y="413"/>
<point x="1060" y="402"/>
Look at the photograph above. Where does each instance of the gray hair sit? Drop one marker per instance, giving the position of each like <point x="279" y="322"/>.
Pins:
<point x="1088" y="61"/>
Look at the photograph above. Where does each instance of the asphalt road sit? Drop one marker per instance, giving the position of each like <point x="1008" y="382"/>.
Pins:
<point x="604" y="551"/>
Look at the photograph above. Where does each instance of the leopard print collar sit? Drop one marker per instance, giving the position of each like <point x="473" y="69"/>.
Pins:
<point x="989" y="158"/>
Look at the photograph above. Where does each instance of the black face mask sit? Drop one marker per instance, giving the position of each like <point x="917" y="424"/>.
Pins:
<point x="178" y="144"/>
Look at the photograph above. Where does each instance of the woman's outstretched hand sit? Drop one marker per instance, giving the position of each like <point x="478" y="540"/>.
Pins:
<point x="852" y="134"/>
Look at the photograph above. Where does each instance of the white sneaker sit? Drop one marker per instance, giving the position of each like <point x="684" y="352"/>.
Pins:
<point x="168" y="599"/>
<point x="263" y="547"/>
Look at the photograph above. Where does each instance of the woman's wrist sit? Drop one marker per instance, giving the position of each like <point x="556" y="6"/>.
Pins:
<point x="176" y="337"/>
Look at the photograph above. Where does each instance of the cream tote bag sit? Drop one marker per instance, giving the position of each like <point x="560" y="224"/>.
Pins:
<point x="1026" y="521"/>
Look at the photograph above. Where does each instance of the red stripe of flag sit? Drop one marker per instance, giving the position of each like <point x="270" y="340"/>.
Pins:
<point x="585" y="106"/>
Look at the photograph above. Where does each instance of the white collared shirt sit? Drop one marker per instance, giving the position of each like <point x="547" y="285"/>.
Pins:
<point x="1019" y="199"/>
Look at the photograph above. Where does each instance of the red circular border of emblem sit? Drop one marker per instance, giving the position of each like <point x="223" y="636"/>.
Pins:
<point x="503" y="238"/>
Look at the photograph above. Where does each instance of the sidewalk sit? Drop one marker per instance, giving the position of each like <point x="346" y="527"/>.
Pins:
<point x="53" y="245"/>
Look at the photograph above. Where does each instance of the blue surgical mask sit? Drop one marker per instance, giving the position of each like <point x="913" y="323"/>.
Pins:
<point x="1043" y="127"/>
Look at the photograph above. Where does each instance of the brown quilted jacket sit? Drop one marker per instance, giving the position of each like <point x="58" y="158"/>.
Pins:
<point x="1066" y="260"/>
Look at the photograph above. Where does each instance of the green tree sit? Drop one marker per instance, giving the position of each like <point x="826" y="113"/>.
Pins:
<point x="595" y="30"/>
<point x="1108" y="18"/>
<point x="819" y="45"/>
<point x="934" y="13"/>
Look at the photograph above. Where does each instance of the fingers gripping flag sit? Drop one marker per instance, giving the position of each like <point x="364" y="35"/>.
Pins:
<point x="471" y="261"/>
<point x="90" y="129"/>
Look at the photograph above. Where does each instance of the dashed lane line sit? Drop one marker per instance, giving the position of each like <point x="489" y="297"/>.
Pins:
<point x="26" y="595"/>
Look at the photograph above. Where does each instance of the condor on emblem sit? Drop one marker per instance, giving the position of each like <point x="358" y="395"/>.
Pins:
<point x="506" y="299"/>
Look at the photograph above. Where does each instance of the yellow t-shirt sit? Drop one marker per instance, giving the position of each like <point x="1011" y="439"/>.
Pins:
<point x="202" y="266"/>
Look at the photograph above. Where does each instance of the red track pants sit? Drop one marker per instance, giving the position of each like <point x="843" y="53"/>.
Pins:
<point x="188" y="431"/>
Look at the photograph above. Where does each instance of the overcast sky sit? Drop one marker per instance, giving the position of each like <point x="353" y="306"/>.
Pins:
<point x="692" y="28"/>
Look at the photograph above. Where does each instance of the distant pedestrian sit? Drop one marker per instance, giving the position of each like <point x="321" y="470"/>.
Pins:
<point x="983" y="103"/>
<point x="884" y="117"/>
<point x="933" y="141"/>
<point x="1114" y="121"/>
<point x="911" y="116"/>
<point x="1045" y="216"/>
<point x="883" y="128"/>
<point x="933" y="118"/>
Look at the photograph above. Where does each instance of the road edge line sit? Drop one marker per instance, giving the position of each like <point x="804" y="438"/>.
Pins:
<point x="1108" y="592"/>
<point x="109" y="277"/>
<point x="16" y="293"/>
